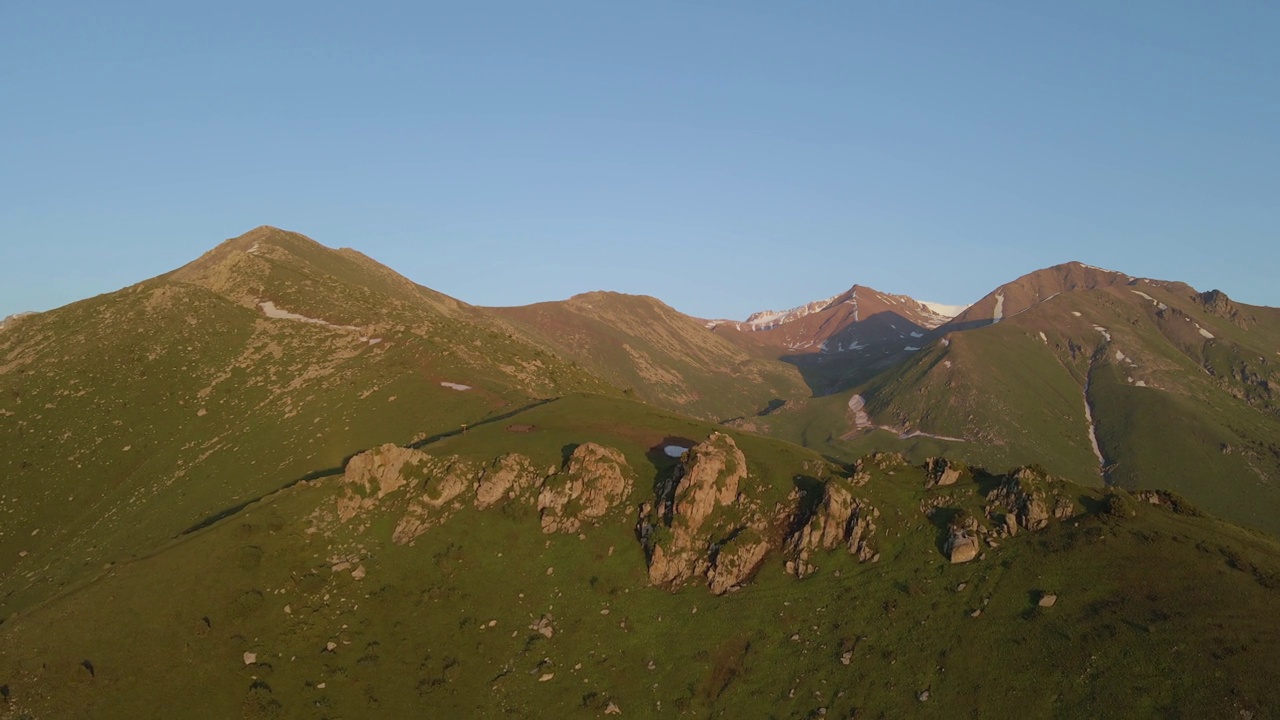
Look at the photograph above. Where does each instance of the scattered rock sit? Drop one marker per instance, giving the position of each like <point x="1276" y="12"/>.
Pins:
<point x="250" y="658"/>
<point x="1047" y="600"/>
<point x="358" y="573"/>
<point x="612" y="709"/>
<point x="546" y="676"/>
<point x="543" y="627"/>
<point x="923" y="696"/>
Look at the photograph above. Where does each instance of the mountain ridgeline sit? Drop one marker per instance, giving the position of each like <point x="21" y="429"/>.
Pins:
<point x="313" y="488"/>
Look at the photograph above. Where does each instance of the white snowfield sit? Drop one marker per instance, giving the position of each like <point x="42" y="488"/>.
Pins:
<point x="1095" y="267"/>
<point x="675" y="451"/>
<point x="1104" y="332"/>
<point x="998" y="313"/>
<point x="1159" y="305"/>
<point x="944" y="309"/>
<point x="766" y="319"/>
<point x="1204" y="332"/>
<point x="455" y="386"/>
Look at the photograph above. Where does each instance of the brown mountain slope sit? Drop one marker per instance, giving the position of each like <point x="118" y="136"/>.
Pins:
<point x="840" y="341"/>
<point x="659" y="354"/>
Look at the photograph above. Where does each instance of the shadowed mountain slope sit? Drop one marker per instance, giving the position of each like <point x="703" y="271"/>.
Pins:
<point x="841" y="341"/>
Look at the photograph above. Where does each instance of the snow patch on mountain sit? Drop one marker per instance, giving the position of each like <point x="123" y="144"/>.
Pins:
<point x="1100" y="269"/>
<point x="998" y="313"/>
<point x="943" y="309"/>
<point x="1093" y="433"/>
<point x="270" y="309"/>
<point x="766" y="319"/>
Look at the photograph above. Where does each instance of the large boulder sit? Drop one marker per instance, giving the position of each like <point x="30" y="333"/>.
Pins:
<point x="962" y="546"/>
<point x="595" y="479"/>
<point x="940" y="472"/>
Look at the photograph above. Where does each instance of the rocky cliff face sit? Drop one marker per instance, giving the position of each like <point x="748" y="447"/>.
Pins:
<point x="839" y="520"/>
<point x="704" y="525"/>
<point x="698" y="527"/>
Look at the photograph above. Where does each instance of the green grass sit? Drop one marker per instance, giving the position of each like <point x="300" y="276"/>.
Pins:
<point x="1160" y="615"/>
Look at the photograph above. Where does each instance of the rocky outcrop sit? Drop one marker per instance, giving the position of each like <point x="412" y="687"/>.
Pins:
<point x="372" y="475"/>
<point x="595" y="479"/>
<point x="1026" y="503"/>
<point x="699" y="527"/>
<point x="443" y="480"/>
<point x="735" y="562"/>
<point x="940" y="472"/>
<point x="510" y="477"/>
<point x="1216" y="302"/>
<point x="839" y="520"/>
<point x="432" y="484"/>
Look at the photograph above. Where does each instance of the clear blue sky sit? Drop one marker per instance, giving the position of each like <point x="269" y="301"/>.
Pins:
<point x="723" y="156"/>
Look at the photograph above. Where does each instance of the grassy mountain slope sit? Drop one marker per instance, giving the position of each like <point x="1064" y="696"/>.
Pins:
<point x="132" y="416"/>
<point x="1157" y="612"/>
<point x="1179" y="387"/>
<point x="174" y="512"/>
<point x="660" y="355"/>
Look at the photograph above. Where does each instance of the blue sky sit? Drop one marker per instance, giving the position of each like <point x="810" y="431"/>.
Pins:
<point x="722" y="156"/>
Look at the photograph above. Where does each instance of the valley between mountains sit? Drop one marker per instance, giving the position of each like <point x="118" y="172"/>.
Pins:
<point x="310" y="487"/>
